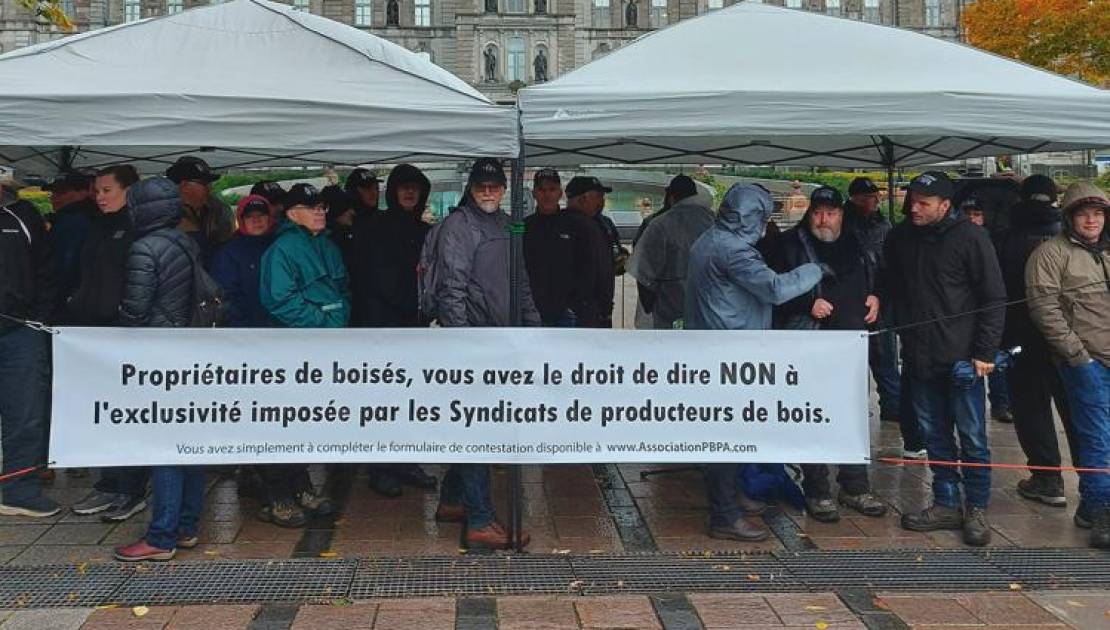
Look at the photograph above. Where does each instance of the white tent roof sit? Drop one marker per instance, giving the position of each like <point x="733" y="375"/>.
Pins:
<point x="760" y="84"/>
<point x="256" y="82"/>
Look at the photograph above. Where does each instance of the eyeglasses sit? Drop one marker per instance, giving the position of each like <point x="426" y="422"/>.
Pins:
<point x="317" y="209"/>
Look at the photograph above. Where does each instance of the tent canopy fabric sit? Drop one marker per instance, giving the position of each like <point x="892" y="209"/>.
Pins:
<point x="760" y="84"/>
<point x="245" y="83"/>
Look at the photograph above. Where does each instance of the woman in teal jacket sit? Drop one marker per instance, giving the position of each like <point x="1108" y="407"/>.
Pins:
<point x="303" y="284"/>
<point x="303" y="280"/>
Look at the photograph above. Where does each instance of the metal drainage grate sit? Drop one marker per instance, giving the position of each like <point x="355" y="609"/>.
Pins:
<point x="59" y="586"/>
<point x="238" y="581"/>
<point x="708" y="572"/>
<point x="933" y="570"/>
<point x="1053" y="568"/>
<point x="461" y="576"/>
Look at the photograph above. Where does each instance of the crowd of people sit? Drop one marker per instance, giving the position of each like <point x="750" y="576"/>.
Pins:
<point x="119" y="250"/>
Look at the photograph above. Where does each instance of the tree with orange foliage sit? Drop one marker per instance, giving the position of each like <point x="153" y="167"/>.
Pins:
<point x="51" y="11"/>
<point x="1070" y="37"/>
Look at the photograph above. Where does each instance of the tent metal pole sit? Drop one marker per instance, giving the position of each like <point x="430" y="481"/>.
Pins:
<point x="516" y="271"/>
<point x="888" y="159"/>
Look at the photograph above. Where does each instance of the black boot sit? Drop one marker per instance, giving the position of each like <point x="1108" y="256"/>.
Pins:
<point x="1100" y="530"/>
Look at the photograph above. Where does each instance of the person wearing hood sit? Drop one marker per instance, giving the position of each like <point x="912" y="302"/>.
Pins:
<point x="662" y="252"/>
<point x="730" y="287"/>
<point x="204" y="217"/>
<point x="158" y="293"/>
<point x="386" y="252"/>
<point x="473" y="255"/>
<point x="1034" y="381"/>
<point x="71" y="196"/>
<point x="119" y="493"/>
<point x="237" y="266"/>
<point x="341" y="224"/>
<point x="273" y="193"/>
<point x="302" y="284"/>
<point x="28" y="290"/>
<point x="940" y="265"/>
<point x="1067" y="280"/>
<point x="842" y="302"/>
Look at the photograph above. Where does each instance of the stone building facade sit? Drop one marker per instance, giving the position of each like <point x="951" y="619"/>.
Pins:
<point x="497" y="45"/>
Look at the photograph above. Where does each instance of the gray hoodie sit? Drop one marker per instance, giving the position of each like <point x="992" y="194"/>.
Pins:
<point x="728" y="286"/>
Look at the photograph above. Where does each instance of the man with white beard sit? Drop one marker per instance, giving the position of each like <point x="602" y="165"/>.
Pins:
<point x="473" y="246"/>
<point x="843" y="301"/>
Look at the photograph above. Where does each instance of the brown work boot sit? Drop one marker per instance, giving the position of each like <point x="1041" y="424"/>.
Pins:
<point x="741" y="530"/>
<point x="450" y="513"/>
<point x="493" y="536"/>
<point x="933" y="518"/>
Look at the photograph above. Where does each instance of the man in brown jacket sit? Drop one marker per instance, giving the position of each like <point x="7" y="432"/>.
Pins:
<point x="1068" y="284"/>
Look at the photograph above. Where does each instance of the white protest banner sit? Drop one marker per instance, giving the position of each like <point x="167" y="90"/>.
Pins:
<point x="512" y="395"/>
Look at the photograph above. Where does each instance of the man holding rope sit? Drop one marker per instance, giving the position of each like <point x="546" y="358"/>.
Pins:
<point x="937" y="264"/>
<point x="1068" y="283"/>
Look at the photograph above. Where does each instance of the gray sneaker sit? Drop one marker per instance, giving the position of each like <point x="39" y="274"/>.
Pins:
<point x="124" y="508"/>
<point x="977" y="531"/>
<point x="823" y="510"/>
<point x="866" y="503"/>
<point x="37" y="507"/>
<point x="95" y="502"/>
<point x="1047" y="490"/>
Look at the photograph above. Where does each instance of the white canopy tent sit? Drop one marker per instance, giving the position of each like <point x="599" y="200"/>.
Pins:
<point x="760" y="84"/>
<point x="245" y="83"/>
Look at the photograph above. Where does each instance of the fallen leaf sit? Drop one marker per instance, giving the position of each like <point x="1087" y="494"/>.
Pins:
<point x="83" y="568"/>
<point x="753" y="577"/>
<point x="1072" y="602"/>
<point x="920" y="558"/>
<point x="620" y="583"/>
<point x="821" y="625"/>
<point x="328" y="554"/>
<point x="107" y="606"/>
<point x="815" y="608"/>
<point x="721" y="567"/>
<point x="211" y="553"/>
<point x="342" y="602"/>
<point x="1014" y="586"/>
<point x="575" y="585"/>
<point x="140" y="611"/>
<point x="880" y="604"/>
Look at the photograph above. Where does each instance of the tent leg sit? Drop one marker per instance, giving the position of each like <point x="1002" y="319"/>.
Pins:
<point x="888" y="158"/>
<point x="516" y="271"/>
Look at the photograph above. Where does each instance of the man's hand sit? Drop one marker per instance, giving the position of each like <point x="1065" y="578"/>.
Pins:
<point x="872" y="304"/>
<point x="981" y="368"/>
<point x="821" y="309"/>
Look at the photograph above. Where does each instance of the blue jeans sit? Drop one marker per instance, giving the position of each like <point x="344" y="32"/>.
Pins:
<point x="469" y="484"/>
<point x="945" y="409"/>
<point x="999" y="390"/>
<point x="882" y="356"/>
<point x="131" y="480"/>
<point x="1089" y="399"/>
<point x="24" y="387"/>
<point x="178" y="501"/>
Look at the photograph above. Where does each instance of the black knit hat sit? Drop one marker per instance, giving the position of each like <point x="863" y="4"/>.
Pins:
<point x="1039" y="188"/>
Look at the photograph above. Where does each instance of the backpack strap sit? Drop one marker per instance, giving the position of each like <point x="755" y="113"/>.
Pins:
<point x="22" y="225"/>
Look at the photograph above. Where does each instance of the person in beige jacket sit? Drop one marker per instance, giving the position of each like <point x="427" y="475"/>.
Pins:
<point x="1068" y="286"/>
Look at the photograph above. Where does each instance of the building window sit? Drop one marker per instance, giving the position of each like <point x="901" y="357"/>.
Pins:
<point x="932" y="12"/>
<point x="515" y="61"/>
<point x="793" y="4"/>
<point x="301" y="5"/>
<point x="658" y="13"/>
<point x="132" y="10"/>
<point x="363" y="12"/>
<point x="515" y="6"/>
<point x="174" y="6"/>
<point x="601" y="14"/>
<point x="69" y="7"/>
<point x="716" y="4"/>
<point x="422" y="15"/>
<point x="832" y="7"/>
<point x="871" y="11"/>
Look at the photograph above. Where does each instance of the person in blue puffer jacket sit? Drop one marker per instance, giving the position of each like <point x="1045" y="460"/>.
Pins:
<point x="237" y="265"/>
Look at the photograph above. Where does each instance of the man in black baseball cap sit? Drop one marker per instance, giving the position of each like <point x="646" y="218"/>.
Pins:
<point x="272" y="192"/>
<point x="204" y="217"/>
<point x="364" y="187"/>
<point x="74" y="208"/>
<point x="551" y="253"/>
<point x="943" y="280"/>
<point x="586" y="198"/>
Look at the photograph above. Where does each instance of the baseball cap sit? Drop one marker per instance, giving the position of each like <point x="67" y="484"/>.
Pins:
<point x="70" y="180"/>
<point x="362" y="177"/>
<point x="302" y="195"/>
<point x="191" y="168"/>
<point x="681" y="186"/>
<point x="546" y="175"/>
<point x="486" y="170"/>
<point x="932" y="184"/>
<point x="862" y="186"/>
<point x="271" y="190"/>
<point x="971" y="204"/>
<point x="1039" y="188"/>
<point x="826" y="196"/>
<point x="583" y="184"/>
<point x="252" y="204"/>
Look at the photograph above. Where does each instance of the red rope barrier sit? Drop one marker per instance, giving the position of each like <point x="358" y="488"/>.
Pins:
<point x="933" y="462"/>
<point x="15" y="474"/>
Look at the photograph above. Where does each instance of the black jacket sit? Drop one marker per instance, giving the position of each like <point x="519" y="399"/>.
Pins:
<point x="71" y="225"/>
<point x="103" y="269"/>
<point x="1031" y="223"/>
<point x="594" y="303"/>
<point x="940" y="270"/>
<point x="386" y="249"/>
<point x="158" y="290"/>
<point x="28" y="288"/>
<point x="847" y="291"/>
<point x="562" y="267"/>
